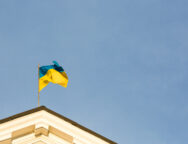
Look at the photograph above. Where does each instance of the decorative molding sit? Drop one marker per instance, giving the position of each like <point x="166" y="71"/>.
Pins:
<point x="41" y="131"/>
<point x="61" y="134"/>
<point x="22" y="132"/>
<point x="7" y="141"/>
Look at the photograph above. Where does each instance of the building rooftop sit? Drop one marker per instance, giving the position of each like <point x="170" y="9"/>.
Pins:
<point x="67" y="120"/>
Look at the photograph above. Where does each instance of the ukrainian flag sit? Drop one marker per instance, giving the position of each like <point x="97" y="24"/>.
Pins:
<point x="52" y="73"/>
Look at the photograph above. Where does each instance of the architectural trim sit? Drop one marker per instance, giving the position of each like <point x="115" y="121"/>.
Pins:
<point x="22" y="132"/>
<point x="41" y="131"/>
<point x="7" y="141"/>
<point x="61" y="134"/>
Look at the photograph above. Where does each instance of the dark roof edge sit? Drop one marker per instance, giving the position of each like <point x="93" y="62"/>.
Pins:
<point x="58" y="115"/>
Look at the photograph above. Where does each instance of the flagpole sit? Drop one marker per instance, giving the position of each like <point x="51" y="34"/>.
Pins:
<point x="38" y="88"/>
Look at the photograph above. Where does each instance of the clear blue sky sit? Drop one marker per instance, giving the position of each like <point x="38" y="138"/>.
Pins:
<point x="127" y="62"/>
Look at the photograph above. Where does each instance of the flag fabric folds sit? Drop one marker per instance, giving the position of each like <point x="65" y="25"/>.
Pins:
<point x="52" y="73"/>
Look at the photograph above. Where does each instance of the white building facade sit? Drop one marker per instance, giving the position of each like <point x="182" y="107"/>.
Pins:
<point x="44" y="126"/>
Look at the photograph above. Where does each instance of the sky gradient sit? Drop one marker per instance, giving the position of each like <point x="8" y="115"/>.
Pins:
<point x="127" y="62"/>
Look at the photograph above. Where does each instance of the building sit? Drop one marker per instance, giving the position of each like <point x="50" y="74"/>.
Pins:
<point x="44" y="126"/>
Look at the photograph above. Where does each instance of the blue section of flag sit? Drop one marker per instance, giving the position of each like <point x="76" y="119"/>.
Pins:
<point x="44" y="69"/>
